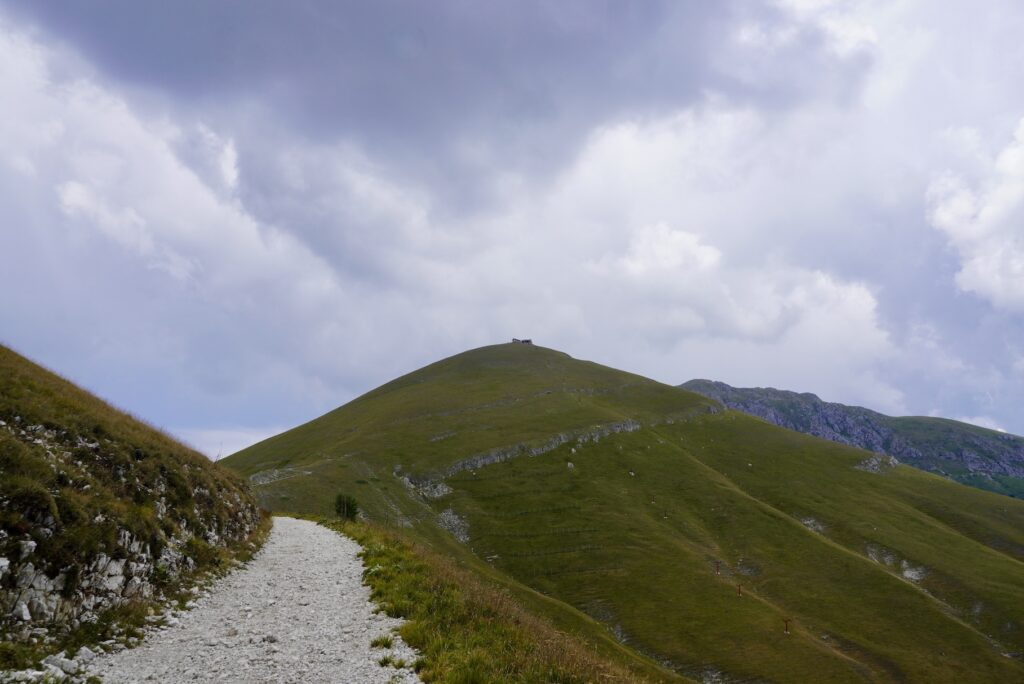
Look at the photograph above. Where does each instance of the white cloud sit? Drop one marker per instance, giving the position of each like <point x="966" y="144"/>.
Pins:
<point x="648" y="260"/>
<point x="122" y="225"/>
<point x="846" y="24"/>
<point x="639" y="253"/>
<point x="761" y="37"/>
<point x="985" y="226"/>
<point x="659" y="249"/>
<point x="212" y="156"/>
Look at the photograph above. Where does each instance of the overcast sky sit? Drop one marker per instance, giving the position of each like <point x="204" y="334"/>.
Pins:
<point x="231" y="217"/>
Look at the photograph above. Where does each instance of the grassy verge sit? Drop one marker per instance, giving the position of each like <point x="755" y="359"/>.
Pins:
<point x="465" y="630"/>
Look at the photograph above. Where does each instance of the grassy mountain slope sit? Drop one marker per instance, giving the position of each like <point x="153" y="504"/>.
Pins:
<point x="603" y="496"/>
<point x="96" y="508"/>
<point x="966" y="453"/>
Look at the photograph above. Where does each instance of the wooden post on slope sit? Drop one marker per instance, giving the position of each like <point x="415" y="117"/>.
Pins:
<point x="787" y="621"/>
<point x="739" y="590"/>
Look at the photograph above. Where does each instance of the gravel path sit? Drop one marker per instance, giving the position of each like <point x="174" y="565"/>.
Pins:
<point x="298" y="612"/>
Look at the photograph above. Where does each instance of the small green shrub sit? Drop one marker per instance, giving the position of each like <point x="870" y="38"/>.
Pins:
<point x="71" y="580"/>
<point x="202" y="553"/>
<point x="161" y="577"/>
<point x="346" y="506"/>
<point x="30" y="498"/>
<point x="16" y="656"/>
<point x="71" y="509"/>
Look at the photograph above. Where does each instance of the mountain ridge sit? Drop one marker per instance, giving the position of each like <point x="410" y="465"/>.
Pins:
<point x="963" y="452"/>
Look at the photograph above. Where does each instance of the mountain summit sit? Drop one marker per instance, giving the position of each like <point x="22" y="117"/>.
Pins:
<point x="696" y="541"/>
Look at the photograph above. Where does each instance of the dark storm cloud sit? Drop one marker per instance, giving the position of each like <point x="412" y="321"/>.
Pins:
<point x="397" y="67"/>
<point x="441" y="90"/>
<point x="298" y="201"/>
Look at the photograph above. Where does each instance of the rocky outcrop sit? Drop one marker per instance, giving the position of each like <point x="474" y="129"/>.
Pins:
<point x="36" y="598"/>
<point x="58" y="570"/>
<point x="265" y="477"/>
<point x="435" y="487"/>
<point x="966" y="453"/>
<point x="449" y="520"/>
<point x="501" y="454"/>
<point x="878" y="463"/>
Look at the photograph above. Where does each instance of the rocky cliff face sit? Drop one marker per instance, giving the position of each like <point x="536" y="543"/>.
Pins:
<point x="97" y="509"/>
<point x="966" y="453"/>
<point x="40" y="586"/>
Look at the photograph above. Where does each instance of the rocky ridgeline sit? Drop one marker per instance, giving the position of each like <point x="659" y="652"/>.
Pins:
<point x="956" y="450"/>
<point x="502" y="454"/>
<point x="435" y="487"/>
<point x="102" y="529"/>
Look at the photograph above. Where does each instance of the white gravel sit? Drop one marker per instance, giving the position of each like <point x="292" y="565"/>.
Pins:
<point x="298" y="612"/>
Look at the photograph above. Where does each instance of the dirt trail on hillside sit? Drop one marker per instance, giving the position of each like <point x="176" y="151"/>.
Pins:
<point x="298" y="612"/>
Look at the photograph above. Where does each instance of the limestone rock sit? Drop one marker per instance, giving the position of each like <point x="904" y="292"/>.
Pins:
<point x="25" y="548"/>
<point x="64" y="665"/>
<point x="26" y="575"/>
<point x="21" y="611"/>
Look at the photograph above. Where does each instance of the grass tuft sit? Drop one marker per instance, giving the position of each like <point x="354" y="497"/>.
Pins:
<point x="382" y="641"/>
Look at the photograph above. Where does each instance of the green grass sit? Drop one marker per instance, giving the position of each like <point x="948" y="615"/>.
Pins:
<point x="621" y="548"/>
<point x="383" y="641"/>
<point x="465" y="629"/>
